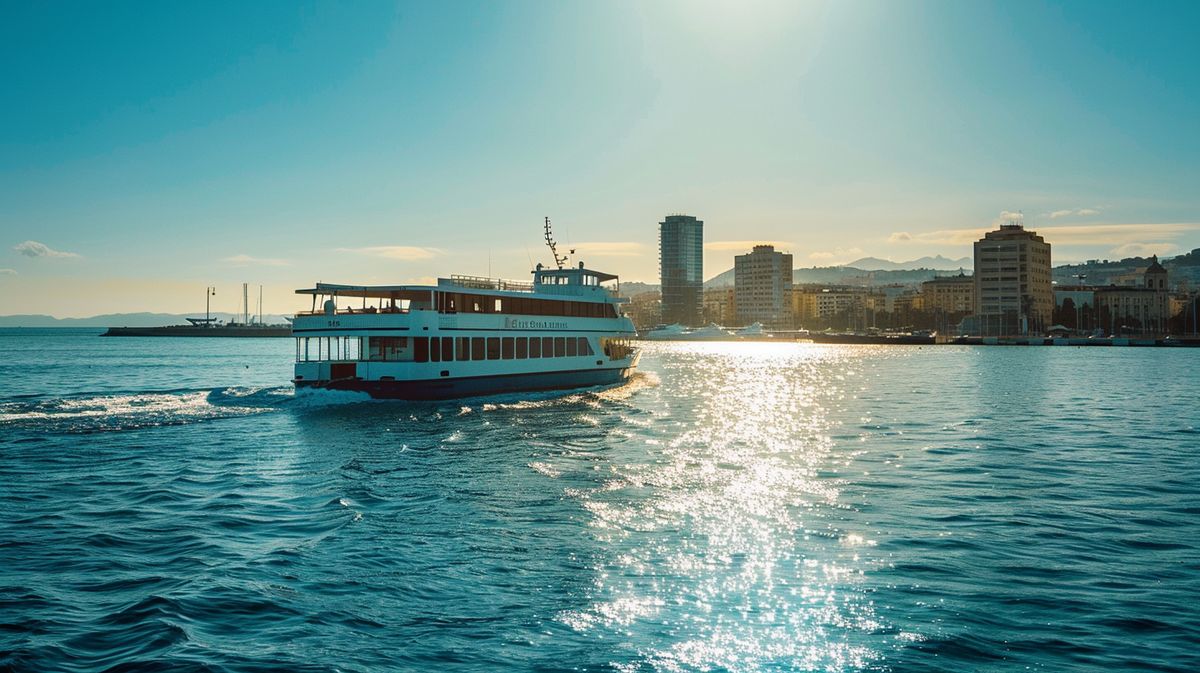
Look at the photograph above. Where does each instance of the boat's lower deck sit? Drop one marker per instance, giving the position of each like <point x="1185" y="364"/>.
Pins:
<point x="471" y="386"/>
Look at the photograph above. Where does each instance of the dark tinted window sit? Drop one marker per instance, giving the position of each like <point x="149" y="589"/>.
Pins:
<point x="506" y="348"/>
<point x="463" y="349"/>
<point x="493" y="348"/>
<point x="476" y="348"/>
<point x="435" y="349"/>
<point x="522" y="348"/>
<point x="421" y="349"/>
<point x="547" y="347"/>
<point x="447" y="349"/>
<point x="585" y="348"/>
<point x="571" y="344"/>
<point x="560" y="347"/>
<point x="535" y="347"/>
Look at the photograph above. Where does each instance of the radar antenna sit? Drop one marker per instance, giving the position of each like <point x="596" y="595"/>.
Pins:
<point x="558" y="260"/>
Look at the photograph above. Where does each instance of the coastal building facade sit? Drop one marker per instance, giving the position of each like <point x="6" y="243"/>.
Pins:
<point x="720" y="306"/>
<point x="681" y="269"/>
<point x="1137" y="309"/>
<point x="1013" y="292"/>
<point x="950" y="294"/>
<point x="818" y="306"/>
<point x="763" y="287"/>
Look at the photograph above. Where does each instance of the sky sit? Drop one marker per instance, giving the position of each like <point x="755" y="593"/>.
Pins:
<point x="148" y="150"/>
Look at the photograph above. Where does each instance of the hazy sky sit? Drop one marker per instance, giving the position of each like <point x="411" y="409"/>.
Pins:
<point x="150" y="149"/>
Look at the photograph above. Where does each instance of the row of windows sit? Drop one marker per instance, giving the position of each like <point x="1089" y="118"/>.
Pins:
<point x="449" y="349"/>
<point x="461" y="302"/>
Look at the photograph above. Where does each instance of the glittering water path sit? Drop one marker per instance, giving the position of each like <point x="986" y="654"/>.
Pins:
<point x="168" y="505"/>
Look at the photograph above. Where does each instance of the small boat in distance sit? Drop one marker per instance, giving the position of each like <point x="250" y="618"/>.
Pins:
<point x="466" y="336"/>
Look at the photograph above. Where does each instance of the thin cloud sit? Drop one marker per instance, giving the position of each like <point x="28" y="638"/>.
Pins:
<point x="742" y="246"/>
<point x="406" y="253"/>
<point x="247" y="260"/>
<point x="1116" y="234"/>
<point x="1077" y="212"/>
<point x="843" y="254"/>
<point x="900" y="237"/>
<point x="609" y="249"/>
<point x="1143" y="249"/>
<point x="35" y="249"/>
<point x="1086" y="234"/>
<point x="8" y="272"/>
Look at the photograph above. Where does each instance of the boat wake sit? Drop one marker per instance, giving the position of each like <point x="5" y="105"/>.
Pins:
<point x="117" y="412"/>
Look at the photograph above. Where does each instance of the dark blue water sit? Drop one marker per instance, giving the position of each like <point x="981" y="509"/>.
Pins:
<point x="171" y="504"/>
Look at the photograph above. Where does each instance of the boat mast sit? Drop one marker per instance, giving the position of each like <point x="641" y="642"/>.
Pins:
<point x="209" y="292"/>
<point x="558" y="261"/>
<point x="245" y="303"/>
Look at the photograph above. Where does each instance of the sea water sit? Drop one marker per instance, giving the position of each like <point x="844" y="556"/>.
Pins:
<point x="172" y="504"/>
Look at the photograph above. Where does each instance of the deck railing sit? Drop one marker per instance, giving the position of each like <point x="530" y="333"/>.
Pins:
<point x="356" y="311"/>
<point x="481" y="283"/>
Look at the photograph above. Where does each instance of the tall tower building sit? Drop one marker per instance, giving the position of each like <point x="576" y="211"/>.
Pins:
<point x="1013" y="294"/>
<point x="681" y="269"/>
<point x="762" y="281"/>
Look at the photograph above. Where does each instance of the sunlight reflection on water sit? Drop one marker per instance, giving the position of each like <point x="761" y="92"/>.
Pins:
<point x="721" y="553"/>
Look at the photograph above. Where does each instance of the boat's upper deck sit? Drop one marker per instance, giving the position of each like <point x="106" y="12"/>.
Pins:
<point x="473" y="294"/>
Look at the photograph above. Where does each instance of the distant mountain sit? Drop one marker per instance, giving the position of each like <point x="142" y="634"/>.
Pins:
<point x="936" y="262"/>
<point x="120" y="320"/>
<point x="633" y="288"/>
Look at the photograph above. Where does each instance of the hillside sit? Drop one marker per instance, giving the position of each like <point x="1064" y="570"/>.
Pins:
<point x="937" y="263"/>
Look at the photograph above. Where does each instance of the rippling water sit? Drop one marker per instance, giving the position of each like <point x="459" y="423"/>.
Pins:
<point x="171" y="504"/>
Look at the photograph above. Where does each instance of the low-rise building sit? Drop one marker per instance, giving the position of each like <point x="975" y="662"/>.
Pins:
<point x="1143" y="309"/>
<point x="645" y="309"/>
<point x="950" y="295"/>
<point x="817" y="306"/>
<point x="720" y="306"/>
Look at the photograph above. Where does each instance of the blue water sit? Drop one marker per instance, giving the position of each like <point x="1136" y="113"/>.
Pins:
<point x="171" y="504"/>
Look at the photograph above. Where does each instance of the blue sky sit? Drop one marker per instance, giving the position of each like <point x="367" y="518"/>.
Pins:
<point x="161" y="147"/>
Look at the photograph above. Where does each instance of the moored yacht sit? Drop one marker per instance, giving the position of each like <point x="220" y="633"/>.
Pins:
<point x="465" y="336"/>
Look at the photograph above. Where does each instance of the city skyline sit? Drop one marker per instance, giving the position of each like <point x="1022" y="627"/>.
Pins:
<point x="158" y="150"/>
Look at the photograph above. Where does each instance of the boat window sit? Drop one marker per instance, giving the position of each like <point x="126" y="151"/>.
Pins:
<point x="585" y="347"/>
<point x="560" y="347"/>
<point x="493" y="348"/>
<point x="476" y="348"/>
<point x="386" y="348"/>
<point x="522" y="348"/>
<point x="435" y="349"/>
<point x="462" y="350"/>
<point x="572" y="345"/>
<point x="535" y="347"/>
<point x="447" y="349"/>
<point x="421" y="349"/>
<point x="547" y="347"/>
<point x="496" y="306"/>
<point x="506" y="348"/>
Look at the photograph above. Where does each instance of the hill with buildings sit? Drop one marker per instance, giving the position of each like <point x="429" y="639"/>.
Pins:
<point x="842" y="275"/>
<point x="1182" y="268"/>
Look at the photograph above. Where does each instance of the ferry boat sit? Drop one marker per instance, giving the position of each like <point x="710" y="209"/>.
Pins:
<point x="466" y="336"/>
